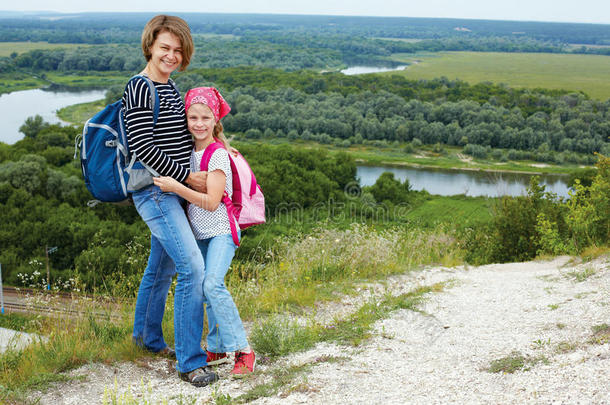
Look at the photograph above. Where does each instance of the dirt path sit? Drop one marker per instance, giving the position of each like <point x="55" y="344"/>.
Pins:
<point x="544" y="313"/>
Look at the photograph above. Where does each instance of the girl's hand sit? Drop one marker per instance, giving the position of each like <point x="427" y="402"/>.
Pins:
<point x="167" y="184"/>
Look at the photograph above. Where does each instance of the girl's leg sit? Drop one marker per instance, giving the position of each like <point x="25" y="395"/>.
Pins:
<point x="227" y="332"/>
<point x="213" y="345"/>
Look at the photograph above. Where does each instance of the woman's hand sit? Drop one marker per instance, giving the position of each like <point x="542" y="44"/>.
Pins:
<point x="198" y="181"/>
<point x="167" y="184"/>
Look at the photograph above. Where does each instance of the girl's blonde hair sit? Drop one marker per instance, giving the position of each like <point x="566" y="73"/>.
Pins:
<point x="174" y="25"/>
<point x="219" y="135"/>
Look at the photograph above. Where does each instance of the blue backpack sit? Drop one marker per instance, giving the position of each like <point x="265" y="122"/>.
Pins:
<point x="110" y="171"/>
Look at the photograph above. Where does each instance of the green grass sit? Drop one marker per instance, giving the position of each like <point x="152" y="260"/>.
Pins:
<point x="444" y="210"/>
<point x="80" y="113"/>
<point x="305" y="269"/>
<point x="453" y="159"/>
<point x="424" y="157"/>
<point x="7" y="48"/>
<point x="97" y="80"/>
<point x="16" y="81"/>
<point x="587" y="73"/>
<point x="10" y="82"/>
<point x="20" y="322"/>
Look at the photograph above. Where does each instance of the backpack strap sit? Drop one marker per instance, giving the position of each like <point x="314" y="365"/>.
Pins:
<point x="207" y="155"/>
<point x="205" y="162"/>
<point x="154" y="96"/>
<point x="232" y="221"/>
<point x="154" y="101"/>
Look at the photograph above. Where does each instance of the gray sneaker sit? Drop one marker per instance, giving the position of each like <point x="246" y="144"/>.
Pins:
<point x="200" y="377"/>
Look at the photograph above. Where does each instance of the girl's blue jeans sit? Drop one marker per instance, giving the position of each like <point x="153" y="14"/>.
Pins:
<point x="226" y="331"/>
<point x="173" y="249"/>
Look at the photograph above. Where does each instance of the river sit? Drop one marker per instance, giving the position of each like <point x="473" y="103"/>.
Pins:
<point x="470" y="183"/>
<point x="17" y="106"/>
<point x="358" y="70"/>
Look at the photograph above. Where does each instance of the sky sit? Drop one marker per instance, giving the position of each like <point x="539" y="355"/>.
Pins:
<point x="587" y="11"/>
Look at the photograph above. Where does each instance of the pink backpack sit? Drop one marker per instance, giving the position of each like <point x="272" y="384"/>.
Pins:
<point x="247" y="207"/>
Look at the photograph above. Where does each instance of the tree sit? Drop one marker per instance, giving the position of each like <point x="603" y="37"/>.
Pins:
<point x="32" y="126"/>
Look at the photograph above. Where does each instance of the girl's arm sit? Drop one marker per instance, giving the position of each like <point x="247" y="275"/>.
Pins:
<point x="208" y="201"/>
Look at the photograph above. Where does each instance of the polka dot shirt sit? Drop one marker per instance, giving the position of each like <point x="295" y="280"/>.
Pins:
<point x="207" y="224"/>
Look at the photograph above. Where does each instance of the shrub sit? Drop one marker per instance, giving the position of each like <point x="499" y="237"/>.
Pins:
<point x="387" y="188"/>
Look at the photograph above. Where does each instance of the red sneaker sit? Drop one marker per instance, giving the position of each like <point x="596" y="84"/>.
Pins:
<point x="244" y="364"/>
<point x="216" y="358"/>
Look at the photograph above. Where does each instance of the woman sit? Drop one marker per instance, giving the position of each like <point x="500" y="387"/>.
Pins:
<point x="165" y="146"/>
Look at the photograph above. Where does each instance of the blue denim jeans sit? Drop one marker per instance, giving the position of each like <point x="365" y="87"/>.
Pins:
<point x="173" y="249"/>
<point x="226" y="331"/>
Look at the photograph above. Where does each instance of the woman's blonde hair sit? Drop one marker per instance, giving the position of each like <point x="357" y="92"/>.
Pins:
<point x="174" y="25"/>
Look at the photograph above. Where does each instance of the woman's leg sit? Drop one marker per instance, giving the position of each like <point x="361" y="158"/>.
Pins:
<point x="152" y="295"/>
<point x="226" y="331"/>
<point x="168" y="224"/>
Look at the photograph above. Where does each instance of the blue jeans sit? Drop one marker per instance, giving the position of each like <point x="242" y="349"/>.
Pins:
<point x="173" y="249"/>
<point x="226" y="331"/>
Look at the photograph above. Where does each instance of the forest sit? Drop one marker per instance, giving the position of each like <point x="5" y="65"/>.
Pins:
<point x="286" y="42"/>
<point x="284" y="87"/>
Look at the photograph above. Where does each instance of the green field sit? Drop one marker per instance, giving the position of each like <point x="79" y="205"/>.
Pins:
<point x="587" y="73"/>
<point x="7" y="48"/>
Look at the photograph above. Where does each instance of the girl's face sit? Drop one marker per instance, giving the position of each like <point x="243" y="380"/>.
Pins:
<point x="166" y="54"/>
<point x="201" y="122"/>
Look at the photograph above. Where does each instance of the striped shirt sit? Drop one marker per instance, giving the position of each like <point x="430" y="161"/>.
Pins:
<point x="166" y="147"/>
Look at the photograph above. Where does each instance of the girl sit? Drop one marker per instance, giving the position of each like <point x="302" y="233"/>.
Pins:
<point x="205" y="107"/>
<point x="165" y="146"/>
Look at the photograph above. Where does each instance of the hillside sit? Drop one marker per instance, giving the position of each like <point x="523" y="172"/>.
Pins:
<point x="502" y="333"/>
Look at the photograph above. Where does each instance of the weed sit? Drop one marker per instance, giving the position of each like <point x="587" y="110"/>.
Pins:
<point x="601" y="334"/>
<point x="281" y="378"/>
<point x="565" y="347"/>
<point x="553" y="307"/>
<point x="514" y="362"/>
<point x="540" y="343"/>
<point x="307" y="269"/>
<point x="593" y="252"/>
<point x="580" y="276"/>
<point x="71" y="338"/>
<point x="219" y="398"/>
<point x="560" y="325"/>
<point x="112" y="396"/>
<point x="276" y="337"/>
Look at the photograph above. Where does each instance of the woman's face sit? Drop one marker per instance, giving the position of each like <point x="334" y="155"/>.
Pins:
<point x="166" y="53"/>
<point x="201" y="122"/>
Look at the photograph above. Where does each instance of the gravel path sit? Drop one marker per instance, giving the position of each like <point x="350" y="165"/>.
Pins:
<point x="540" y="310"/>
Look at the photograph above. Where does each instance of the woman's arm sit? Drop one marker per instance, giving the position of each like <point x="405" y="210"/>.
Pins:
<point x="208" y="201"/>
<point x="169" y="156"/>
